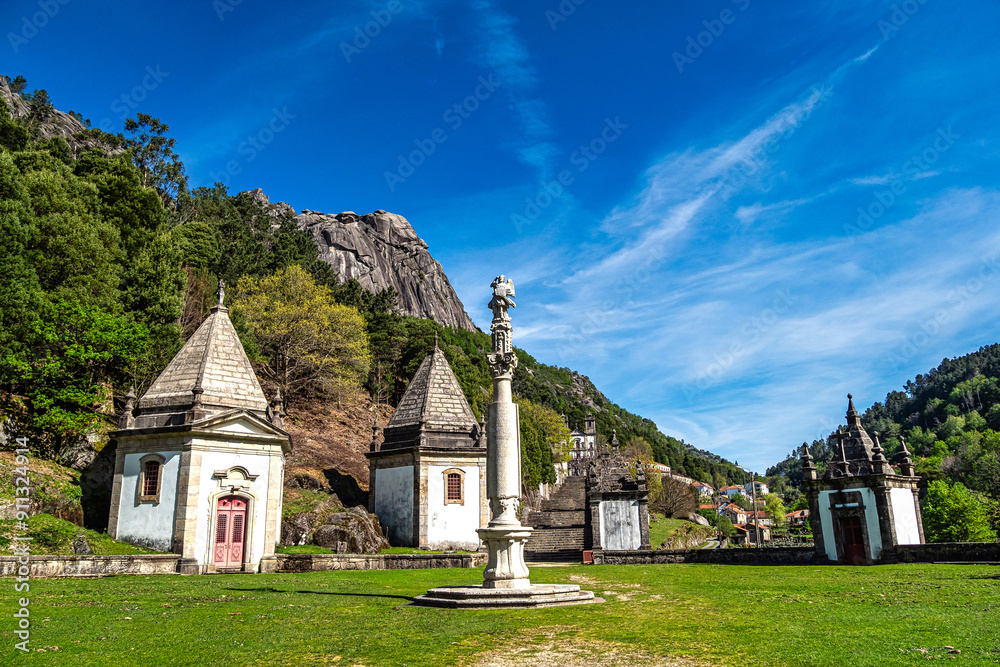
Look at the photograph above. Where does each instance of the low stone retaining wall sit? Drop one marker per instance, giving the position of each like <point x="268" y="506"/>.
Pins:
<point x="99" y="566"/>
<point x="92" y="566"/>
<point x="765" y="556"/>
<point x="949" y="552"/>
<point x="323" y="562"/>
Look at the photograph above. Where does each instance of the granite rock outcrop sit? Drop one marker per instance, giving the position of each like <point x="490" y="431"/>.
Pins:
<point x="382" y="250"/>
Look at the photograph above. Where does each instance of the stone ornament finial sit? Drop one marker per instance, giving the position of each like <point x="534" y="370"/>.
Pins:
<point x="375" y="429"/>
<point x="843" y="467"/>
<point x="275" y="412"/>
<point x="808" y="467"/>
<point x="127" y="420"/>
<point x="222" y="291"/>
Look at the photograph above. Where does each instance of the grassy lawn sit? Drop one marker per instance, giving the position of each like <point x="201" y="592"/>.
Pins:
<point x="55" y="536"/>
<point x="697" y="614"/>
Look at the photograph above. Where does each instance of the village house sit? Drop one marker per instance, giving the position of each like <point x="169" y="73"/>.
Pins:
<point x="704" y="490"/>
<point x="732" y="490"/>
<point x="761" y="489"/>
<point x="797" y="518"/>
<point x="735" y="514"/>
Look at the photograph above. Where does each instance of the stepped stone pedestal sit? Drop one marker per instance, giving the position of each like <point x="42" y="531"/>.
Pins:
<point x="505" y="579"/>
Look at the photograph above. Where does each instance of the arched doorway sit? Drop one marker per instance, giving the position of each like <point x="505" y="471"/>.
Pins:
<point x="230" y="532"/>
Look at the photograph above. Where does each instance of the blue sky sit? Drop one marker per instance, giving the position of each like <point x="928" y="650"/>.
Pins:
<point x="727" y="213"/>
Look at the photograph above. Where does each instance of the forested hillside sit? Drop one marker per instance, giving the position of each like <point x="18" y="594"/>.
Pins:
<point x="950" y="421"/>
<point x="110" y="262"/>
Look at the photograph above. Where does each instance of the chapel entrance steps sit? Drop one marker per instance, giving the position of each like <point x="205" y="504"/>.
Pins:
<point x="560" y="525"/>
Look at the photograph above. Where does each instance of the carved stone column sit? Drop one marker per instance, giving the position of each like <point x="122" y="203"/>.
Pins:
<point x="504" y="536"/>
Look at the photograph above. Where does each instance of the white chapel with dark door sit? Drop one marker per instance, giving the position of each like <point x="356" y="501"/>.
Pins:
<point x="199" y="465"/>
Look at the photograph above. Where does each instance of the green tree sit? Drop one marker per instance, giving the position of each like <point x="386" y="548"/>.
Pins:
<point x="312" y="344"/>
<point x="726" y="527"/>
<point x="21" y="293"/>
<point x="134" y="210"/>
<point x="76" y="252"/>
<point x="154" y="156"/>
<point x="955" y="514"/>
<point x="76" y="355"/>
<point x="17" y="85"/>
<point x="775" y="508"/>
<point x="639" y="450"/>
<point x="13" y="136"/>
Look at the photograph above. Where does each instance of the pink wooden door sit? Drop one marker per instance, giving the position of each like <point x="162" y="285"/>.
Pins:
<point x="230" y="528"/>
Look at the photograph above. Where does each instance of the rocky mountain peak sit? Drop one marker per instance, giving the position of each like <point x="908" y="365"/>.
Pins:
<point x="381" y="250"/>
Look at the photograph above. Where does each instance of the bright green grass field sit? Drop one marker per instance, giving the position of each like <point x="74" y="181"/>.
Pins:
<point x="716" y="615"/>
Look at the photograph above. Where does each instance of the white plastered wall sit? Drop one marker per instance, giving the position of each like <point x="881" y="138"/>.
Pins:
<point x="904" y="513"/>
<point x="453" y="526"/>
<point x="254" y="464"/>
<point x="394" y="503"/>
<point x="149" y="524"/>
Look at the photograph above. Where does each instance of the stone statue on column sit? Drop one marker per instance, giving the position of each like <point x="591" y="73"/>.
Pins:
<point x="504" y="536"/>
<point x="505" y="579"/>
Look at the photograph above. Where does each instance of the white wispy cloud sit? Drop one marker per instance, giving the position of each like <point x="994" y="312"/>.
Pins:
<point x="503" y="51"/>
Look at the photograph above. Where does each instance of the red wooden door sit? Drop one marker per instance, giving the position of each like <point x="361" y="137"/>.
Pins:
<point x="230" y="529"/>
<point x="853" y="541"/>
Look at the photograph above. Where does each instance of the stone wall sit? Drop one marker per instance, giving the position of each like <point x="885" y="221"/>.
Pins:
<point x="949" y="552"/>
<point x="323" y="562"/>
<point x="765" y="556"/>
<point x="92" y="566"/>
<point x="99" y="566"/>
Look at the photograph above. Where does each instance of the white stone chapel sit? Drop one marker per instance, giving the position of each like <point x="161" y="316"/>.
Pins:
<point x="199" y="468"/>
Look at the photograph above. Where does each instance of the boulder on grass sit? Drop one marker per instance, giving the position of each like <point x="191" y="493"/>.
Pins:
<point x="297" y="529"/>
<point x="354" y="531"/>
<point x="699" y="519"/>
<point x="81" y="545"/>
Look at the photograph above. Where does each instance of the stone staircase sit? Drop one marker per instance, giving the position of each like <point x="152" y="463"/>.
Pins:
<point x="560" y="525"/>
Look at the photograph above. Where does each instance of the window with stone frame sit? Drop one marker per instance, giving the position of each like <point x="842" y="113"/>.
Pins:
<point x="150" y="478"/>
<point x="454" y="487"/>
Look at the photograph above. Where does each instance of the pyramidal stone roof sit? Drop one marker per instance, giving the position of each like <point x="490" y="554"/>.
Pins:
<point x="435" y="398"/>
<point x="214" y="360"/>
